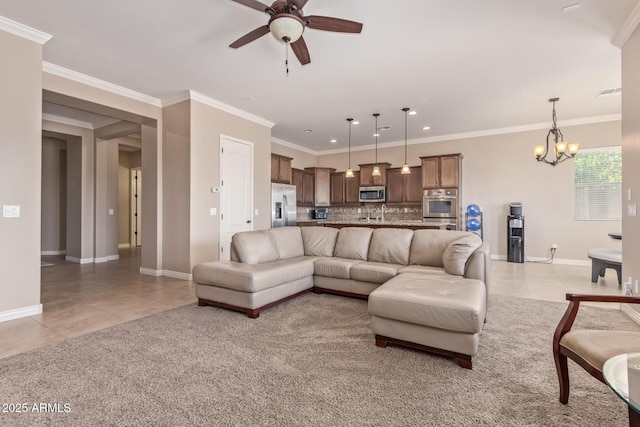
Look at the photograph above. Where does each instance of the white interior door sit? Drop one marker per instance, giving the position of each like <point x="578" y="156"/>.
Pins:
<point x="236" y="190"/>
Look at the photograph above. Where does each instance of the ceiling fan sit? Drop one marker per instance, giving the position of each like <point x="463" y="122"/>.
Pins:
<point x="287" y="23"/>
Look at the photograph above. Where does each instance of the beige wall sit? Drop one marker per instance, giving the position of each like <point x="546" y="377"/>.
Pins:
<point x="208" y="124"/>
<point x="301" y="159"/>
<point x="501" y="169"/>
<point x="176" y="212"/>
<point x="54" y="196"/>
<point x="20" y="172"/>
<point x="631" y="154"/>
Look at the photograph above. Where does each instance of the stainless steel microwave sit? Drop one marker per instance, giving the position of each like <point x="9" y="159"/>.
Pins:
<point x="373" y="194"/>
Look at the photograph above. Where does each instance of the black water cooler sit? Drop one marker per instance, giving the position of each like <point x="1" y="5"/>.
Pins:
<point x="515" y="233"/>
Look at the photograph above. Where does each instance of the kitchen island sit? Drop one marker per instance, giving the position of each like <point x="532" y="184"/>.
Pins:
<point x="391" y="223"/>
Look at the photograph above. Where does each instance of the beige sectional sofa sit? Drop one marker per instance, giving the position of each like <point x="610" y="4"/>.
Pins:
<point x="426" y="288"/>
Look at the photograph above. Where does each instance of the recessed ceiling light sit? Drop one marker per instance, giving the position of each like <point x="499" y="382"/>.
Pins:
<point x="413" y="113"/>
<point x="333" y="141"/>
<point x="426" y="128"/>
<point x="355" y="122"/>
<point x="308" y="131"/>
<point x="376" y="134"/>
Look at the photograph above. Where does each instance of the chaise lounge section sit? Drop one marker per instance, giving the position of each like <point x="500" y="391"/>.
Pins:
<point x="426" y="288"/>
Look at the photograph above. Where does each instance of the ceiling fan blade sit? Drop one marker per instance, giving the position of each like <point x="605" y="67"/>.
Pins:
<point x="298" y="3"/>
<point x="327" y="23"/>
<point x="255" y="4"/>
<point x="299" y="47"/>
<point x="249" y="37"/>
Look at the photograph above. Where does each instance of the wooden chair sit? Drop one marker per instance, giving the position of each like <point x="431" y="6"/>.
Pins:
<point x="589" y="348"/>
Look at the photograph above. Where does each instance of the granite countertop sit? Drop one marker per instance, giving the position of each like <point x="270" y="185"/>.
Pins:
<point x="390" y="222"/>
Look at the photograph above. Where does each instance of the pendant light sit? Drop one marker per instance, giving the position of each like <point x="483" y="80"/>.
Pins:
<point x="376" y="168"/>
<point x="405" y="166"/>
<point x="349" y="173"/>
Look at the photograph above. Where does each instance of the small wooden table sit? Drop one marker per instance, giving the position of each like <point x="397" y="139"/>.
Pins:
<point x="622" y="374"/>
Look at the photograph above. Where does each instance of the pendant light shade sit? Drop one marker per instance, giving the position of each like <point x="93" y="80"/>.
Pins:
<point x="405" y="167"/>
<point x="349" y="173"/>
<point x="376" y="168"/>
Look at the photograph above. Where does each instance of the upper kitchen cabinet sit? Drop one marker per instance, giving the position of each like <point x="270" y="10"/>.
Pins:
<point x="344" y="191"/>
<point x="366" y="174"/>
<point x="405" y="189"/>
<point x="322" y="181"/>
<point x="304" y="182"/>
<point x="280" y="168"/>
<point x="442" y="171"/>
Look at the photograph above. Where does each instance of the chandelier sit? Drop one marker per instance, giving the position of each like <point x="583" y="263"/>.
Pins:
<point x="560" y="147"/>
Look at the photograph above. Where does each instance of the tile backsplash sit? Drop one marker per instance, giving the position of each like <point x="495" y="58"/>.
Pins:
<point x="347" y="213"/>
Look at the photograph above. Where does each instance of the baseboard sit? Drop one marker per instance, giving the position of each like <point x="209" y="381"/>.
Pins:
<point x="61" y="252"/>
<point x="559" y="261"/>
<point x="113" y="257"/>
<point x="20" y="312"/>
<point x="166" y="273"/>
<point x="177" y="275"/>
<point x="124" y="246"/>
<point x="78" y="260"/>
<point x="150" y="272"/>
<point x="629" y="311"/>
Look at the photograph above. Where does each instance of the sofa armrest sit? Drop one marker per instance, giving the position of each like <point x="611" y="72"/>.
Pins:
<point x="479" y="265"/>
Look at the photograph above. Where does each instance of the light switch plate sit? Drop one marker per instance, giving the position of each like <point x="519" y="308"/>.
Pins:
<point x="10" y="211"/>
<point x="111" y="211"/>
<point x="213" y="211"/>
<point x="632" y="209"/>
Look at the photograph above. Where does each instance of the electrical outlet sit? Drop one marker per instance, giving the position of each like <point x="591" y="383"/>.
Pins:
<point x="554" y="246"/>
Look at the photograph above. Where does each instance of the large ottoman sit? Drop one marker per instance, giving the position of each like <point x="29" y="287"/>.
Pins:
<point x="441" y="314"/>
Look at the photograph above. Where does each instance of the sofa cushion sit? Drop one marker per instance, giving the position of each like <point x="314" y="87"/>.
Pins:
<point x="353" y="243"/>
<point x="427" y="246"/>
<point x="338" y="268"/>
<point x="423" y="269"/>
<point x="255" y="247"/>
<point x="456" y="255"/>
<point x="319" y="241"/>
<point x="252" y="277"/>
<point x="374" y="272"/>
<point x="288" y="240"/>
<point x="390" y="245"/>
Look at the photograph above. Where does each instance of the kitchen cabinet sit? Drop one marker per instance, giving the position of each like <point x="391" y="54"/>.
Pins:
<point x="405" y="189"/>
<point x="280" y="168"/>
<point x="366" y="174"/>
<point x="442" y="171"/>
<point x="305" y="188"/>
<point x="322" y="183"/>
<point x="345" y="191"/>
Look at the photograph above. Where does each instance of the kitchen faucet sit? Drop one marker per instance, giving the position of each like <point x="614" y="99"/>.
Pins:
<point x="368" y="214"/>
<point x="383" y="209"/>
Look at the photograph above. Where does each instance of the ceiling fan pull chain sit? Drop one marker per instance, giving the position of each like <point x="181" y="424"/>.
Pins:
<point x="286" y="59"/>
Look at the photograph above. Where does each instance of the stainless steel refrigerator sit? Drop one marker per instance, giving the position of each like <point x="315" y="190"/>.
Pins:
<point x="283" y="205"/>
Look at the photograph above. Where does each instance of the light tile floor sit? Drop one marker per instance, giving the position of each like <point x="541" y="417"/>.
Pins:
<point x="79" y="299"/>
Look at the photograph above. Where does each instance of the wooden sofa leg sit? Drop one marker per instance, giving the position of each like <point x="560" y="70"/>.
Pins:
<point x="381" y="341"/>
<point x="201" y="303"/>
<point x="253" y="314"/>
<point x="465" y="362"/>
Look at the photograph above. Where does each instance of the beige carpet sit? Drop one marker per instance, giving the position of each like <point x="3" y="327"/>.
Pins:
<point x="311" y="361"/>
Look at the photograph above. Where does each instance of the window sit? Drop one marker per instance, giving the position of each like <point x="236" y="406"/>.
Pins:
<point x="597" y="181"/>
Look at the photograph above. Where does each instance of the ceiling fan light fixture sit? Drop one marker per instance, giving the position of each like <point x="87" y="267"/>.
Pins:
<point x="286" y="28"/>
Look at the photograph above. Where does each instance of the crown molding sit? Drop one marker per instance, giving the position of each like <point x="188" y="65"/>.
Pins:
<point x="176" y="99"/>
<point x="24" y="31"/>
<point x="75" y="76"/>
<point x="628" y="27"/>
<point x="66" y="121"/>
<point x="295" y="146"/>
<point x="203" y="99"/>
<point x="482" y="133"/>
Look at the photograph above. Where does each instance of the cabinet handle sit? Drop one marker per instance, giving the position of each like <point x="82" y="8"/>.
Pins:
<point x="248" y="221"/>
